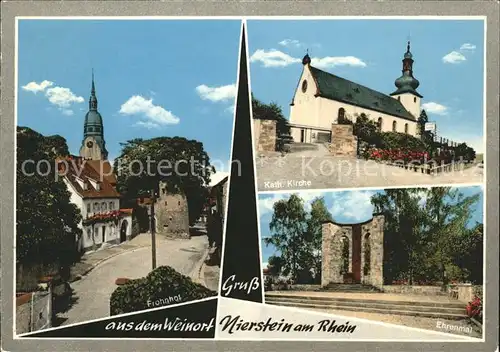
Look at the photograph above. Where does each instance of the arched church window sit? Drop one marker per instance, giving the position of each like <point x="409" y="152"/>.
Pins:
<point x="414" y="99"/>
<point x="96" y="207"/>
<point x="394" y="126"/>
<point x="406" y="128"/>
<point x="98" y="129"/>
<point x="304" y="86"/>
<point x="379" y="123"/>
<point x="111" y="206"/>
<point x="104" y="206"/>
<point x="341" y="115"/>
<point x="367" y="255"/>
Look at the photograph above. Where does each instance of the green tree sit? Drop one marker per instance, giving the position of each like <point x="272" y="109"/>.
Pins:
<point x="448" y="211"/>
<point x="464" y="152"/>
<point x="288" y="235"/>
<point x="46" y="220"/>
<point x="402" y="233"/>
<point x="425" y="232"/>
<point x="366" y="130"/>
<point x="275" y="264"/>
<point x="181" y="163"/>
<point x="318" y="215"/>
<point x="468" y="254"/>
<point x="271" y="111"/>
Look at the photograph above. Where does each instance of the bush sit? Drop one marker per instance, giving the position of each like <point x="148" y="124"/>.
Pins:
<point x="161" y="285"/>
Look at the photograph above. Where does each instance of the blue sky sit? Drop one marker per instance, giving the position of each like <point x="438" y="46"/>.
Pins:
<point x="448" y="54"/>
<point x="153" y="78"/>
<point x="345" y="206"/>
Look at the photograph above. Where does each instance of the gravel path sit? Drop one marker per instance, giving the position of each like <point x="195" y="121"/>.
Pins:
<point x="307" y="170"/>
<point x="93" y="291"/>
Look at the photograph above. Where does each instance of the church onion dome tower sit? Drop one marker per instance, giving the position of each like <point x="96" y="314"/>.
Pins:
<point x="93" y="131"/>
<point x="407" y="83"/>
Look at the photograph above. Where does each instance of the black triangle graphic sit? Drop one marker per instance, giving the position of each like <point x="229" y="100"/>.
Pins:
<point x="193" y="320"/>
<point x="241" y="276"/>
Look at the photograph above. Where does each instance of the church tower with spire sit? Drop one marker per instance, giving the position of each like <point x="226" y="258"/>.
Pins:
<point x="93" y="144"/>
<point x="407" y="85"/>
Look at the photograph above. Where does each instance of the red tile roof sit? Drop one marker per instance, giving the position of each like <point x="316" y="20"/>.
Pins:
<point x="89" y="173"/>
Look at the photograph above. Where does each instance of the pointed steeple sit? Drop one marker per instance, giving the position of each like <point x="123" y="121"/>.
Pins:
<point x="93" y="98"/>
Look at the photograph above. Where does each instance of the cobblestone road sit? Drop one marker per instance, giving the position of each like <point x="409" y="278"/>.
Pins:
<point x="309" y="171"/>
<point x="92" y="293"/>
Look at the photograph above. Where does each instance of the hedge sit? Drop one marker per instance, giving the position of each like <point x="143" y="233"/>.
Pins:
<point x="160" y="285"/>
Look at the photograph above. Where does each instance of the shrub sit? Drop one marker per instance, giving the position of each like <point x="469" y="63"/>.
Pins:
<point x="160" y="285"/>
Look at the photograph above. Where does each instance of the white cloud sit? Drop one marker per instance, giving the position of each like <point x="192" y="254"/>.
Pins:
<point x="276" y="58"/>
<point x="37" y="87"/>
<point x="273" y="58"/>
<point x="435" y="108"/>
<point x="230" y="109"/>
<point x="62" y="97"/>
<point x="332" y="61"/>
<point x="216" y="94"/>
<point x="290" y="42"/>
<point x="454" y="58"/>
<point x="146" y="124"/>
<point x="467" y="47"/>
<point x="355" y="205"/>
<point x="138" y="105"/>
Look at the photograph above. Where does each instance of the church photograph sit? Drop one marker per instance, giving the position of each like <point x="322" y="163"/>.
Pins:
<point x="385" y="104"/>
<point x="123" y="152"/>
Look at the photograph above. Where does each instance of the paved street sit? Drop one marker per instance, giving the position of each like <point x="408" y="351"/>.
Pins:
<point x="93" y="291"/>
<point x="317" y="170"/>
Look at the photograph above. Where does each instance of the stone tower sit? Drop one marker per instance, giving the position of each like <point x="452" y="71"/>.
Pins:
<point x="93" y="144"/>
<point x="171" y="213"/>
<point x="407" y="85"/>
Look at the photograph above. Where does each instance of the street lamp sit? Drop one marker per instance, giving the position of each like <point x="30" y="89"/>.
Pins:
<point x="153" y="228"/>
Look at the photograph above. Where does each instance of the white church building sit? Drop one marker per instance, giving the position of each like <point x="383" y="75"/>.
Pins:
<point x="322" y="99"/>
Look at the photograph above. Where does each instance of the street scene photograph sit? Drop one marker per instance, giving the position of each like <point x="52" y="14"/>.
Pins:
<point x="123" y="144"/>
<point x="406" y="256"/>
<point x="393" y="102"/>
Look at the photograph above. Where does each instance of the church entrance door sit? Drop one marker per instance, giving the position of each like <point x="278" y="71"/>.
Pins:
<point x="356" y="253"/>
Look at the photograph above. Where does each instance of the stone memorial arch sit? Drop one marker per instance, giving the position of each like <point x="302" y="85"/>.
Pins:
<point x="353" y="253"/>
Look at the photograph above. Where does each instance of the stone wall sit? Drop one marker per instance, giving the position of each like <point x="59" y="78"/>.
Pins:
<point x="33" y="311"/>
<point x="264" y="135"/>
<point x="372" y="231"/>
<point x="343" y="142"/>
<point x="415" y="290"/>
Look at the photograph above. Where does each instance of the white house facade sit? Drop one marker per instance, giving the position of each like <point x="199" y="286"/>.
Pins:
<point x="322" y="99"/>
